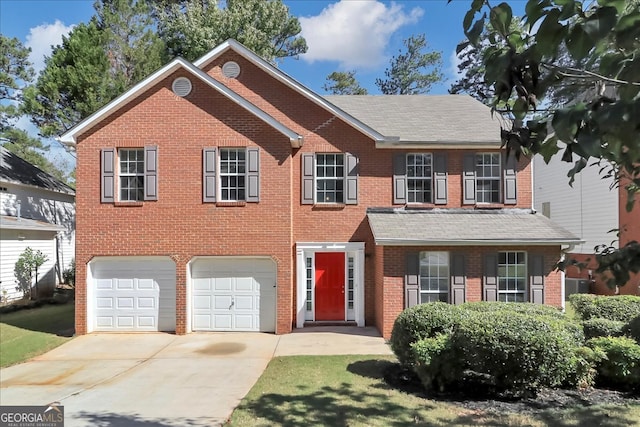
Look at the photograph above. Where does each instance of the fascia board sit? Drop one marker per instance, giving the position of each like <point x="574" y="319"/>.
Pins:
<point x="471" y="242"/>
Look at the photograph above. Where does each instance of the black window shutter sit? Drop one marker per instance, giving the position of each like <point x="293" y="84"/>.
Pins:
<point x="209" y="175"/>
<point x="253" y="175"/>
<point x="308" y="197"/>
<point x="440" y="179"/>
<point x="490" y="278"/>
<point x="458" y="279"/>
<point x="400" y="179"/>
<point x="107" y="175"/>
<point x="412" y="280"/>
<point x="509" y="180"/>
<point x="469" y="179"/>
<point x="536" y="278"/>
<point x="351" y="180"/>
<point x="151" y="173"/>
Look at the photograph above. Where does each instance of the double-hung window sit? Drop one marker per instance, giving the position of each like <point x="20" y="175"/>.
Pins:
<point x="512" y="276"/>
<point x="488" y="177"/>
<point x="329" y="178"/>
<point x="131" y="174"/>
<point x="419" y="178"/>
<point x="231" y="174"/>
<point x="434" y="277"/>
<point x="128" y="174"/>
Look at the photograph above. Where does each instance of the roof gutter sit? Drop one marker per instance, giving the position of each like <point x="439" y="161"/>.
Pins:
<point x="396" y="143"/>
<point x="476" y="242"/>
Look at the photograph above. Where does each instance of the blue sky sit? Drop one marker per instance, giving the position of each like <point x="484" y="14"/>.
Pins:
<point x="359" y="35"/>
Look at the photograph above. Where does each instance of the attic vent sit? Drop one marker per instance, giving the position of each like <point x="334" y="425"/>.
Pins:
<point x="231" y="69"/>
<point x="181" y="86"/>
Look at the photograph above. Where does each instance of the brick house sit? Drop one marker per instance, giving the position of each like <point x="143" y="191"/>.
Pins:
<point x="223" y="195"/>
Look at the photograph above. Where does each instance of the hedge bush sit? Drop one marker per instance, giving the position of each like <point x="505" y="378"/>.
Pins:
<point x="619" y="362"/>
<point x="619" y="307"/>
<point x="523" y="308"/>
<point x="434" y="363"/>
<point x="420" y="322"/>
<point x="601" y="327"/>
<point x="517" y="353"/>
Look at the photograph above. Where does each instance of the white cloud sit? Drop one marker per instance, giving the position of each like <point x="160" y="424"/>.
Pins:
<point x="453" y="73"/>
<point x="41" y="38"/>
<point x="354" y="33"/>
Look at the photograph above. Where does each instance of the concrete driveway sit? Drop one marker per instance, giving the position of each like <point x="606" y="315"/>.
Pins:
<point x="157" y="380"/>
<point x="149" y="380"/>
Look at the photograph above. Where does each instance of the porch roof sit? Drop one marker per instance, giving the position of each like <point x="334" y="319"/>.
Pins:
<point x="456" y="227"/>
<point x="15" y="223"/>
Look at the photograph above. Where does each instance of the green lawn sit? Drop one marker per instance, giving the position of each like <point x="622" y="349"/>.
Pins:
<point x="30" y="332"/>
<point x="350" y="391"/>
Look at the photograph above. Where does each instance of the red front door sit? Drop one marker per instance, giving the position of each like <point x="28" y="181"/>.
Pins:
<point x="329" y="285"/>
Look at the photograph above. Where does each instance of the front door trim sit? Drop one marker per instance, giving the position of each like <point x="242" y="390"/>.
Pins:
<point x="308" y="249"/>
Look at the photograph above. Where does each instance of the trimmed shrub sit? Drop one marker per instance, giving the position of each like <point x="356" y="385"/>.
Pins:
<point x="619" y="364"/>
<point x="601" y="327"/>
<point x="420" y="322"/>
<point x="515" y="307"/>
<point x="519" y="352"/>
<point x="618" y="307"/>
<point x="433" y="363"/>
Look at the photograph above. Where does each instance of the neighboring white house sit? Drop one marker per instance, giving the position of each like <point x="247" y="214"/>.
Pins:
<point x="37" y="211"/>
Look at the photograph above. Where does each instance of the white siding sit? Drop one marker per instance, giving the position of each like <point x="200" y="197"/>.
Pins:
<point x="44" y="205"/>
<point x="589" y="209"/>
<point x="11" y="248"/>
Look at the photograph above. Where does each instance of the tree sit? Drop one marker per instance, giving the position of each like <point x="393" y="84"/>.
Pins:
<point x="191" y="28"/>
<point x="524" y="67"/>
<point x="407" y="73"/>
<point x="16" y="74"/>
<point x="95" y="63"/>
<point x="26" y="268"/>
<point x="343" y="83"/>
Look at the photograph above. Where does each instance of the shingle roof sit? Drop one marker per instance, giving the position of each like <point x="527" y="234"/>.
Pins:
<point x="13" y="223"/>
<point x="16" y="170"/>
<point x="424" y="118"/>
<point x="465" y="227"/>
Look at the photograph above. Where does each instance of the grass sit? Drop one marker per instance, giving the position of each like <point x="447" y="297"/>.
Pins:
<point x="350" y="391"/>
<point x="30" y="332"/>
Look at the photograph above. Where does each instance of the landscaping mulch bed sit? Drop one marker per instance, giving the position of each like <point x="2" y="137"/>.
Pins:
<point x="405" y="380"/>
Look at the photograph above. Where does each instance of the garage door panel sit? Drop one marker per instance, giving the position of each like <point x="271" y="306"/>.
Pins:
<point x="201" y="285"/>
<point x="235" y="289"/>
<point x="134" y="294"/>
<point x="202" y="302"/>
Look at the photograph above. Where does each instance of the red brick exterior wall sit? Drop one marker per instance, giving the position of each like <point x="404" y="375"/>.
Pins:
<point x="181" y="226"/>
<point x="394" y="265"/>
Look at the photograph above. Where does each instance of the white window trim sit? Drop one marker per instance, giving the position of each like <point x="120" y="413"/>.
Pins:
<point x="447" y="276"/>
<point x="316" y="179"/>
<point x="308" y="249"/>
<point x="525" y="292"/>
<point x="409" y="178"/>
<point x="492" y="178"/>
<point x="221" y="174"/>
<point x="120" y="174"/>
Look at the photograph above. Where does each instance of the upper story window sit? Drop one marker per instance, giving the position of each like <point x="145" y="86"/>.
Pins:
<point x="488" y="178"/>
<point x="231" y="174"/>
<point x="129" y="174"/>
<point x="329" y="178"/>
<point x="420" y="178"/>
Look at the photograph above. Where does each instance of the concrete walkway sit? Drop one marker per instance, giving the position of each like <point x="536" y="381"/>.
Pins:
<point x="158" y="380"/>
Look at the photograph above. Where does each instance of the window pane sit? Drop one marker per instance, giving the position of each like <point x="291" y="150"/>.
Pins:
<point x="512" y="276"/>
<point x="434" y="276"/>
<point x="329" y="178"/>
<point x="232" y="174"/>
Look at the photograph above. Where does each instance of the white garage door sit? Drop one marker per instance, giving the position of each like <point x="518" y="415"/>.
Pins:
<point x="234" y="294"/>
<point x="134" y="294"/>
